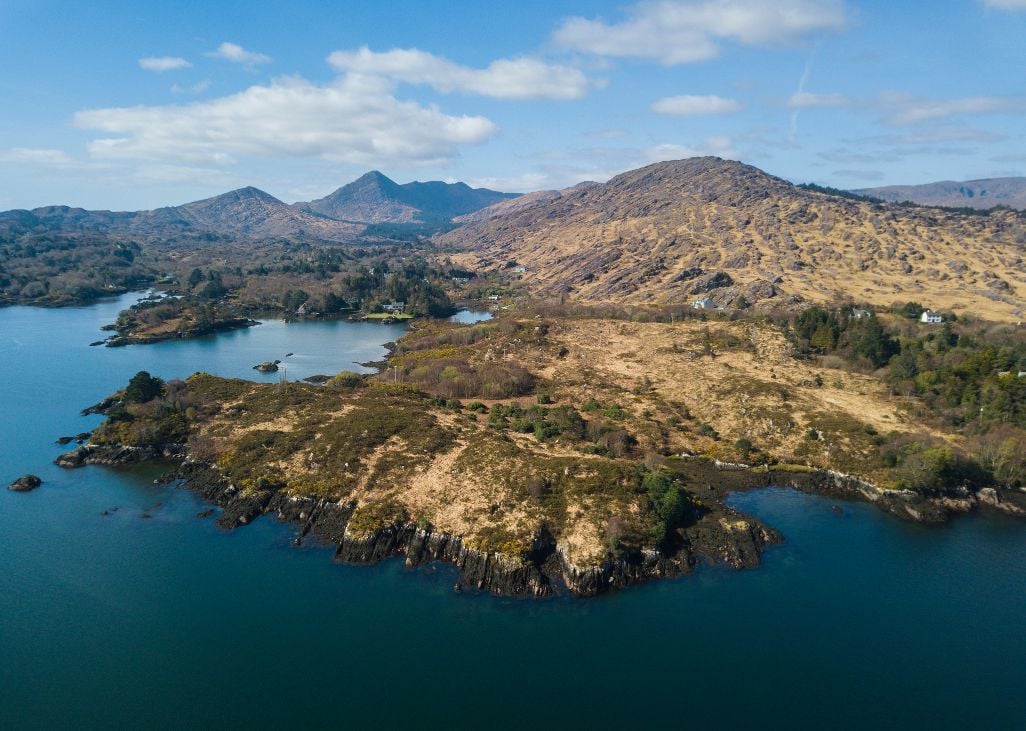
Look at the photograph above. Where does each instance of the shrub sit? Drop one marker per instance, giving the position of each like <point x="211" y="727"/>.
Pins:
<point x="143" y="387"/>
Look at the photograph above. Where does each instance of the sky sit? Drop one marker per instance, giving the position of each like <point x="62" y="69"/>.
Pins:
<point x="124" y="106"/>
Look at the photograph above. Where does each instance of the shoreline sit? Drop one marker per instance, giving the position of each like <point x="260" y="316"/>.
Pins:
<point x="736" y="540"/>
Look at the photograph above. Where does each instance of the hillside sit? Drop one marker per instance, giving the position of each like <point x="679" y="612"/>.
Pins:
<point x="674" y="230"/>
<point x="243" y="214"/>
<point x="984" y="193"/>
<point x="374" y="198"/>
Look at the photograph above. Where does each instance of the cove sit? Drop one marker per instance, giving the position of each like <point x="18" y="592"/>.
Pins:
<point x="167" y="621"/>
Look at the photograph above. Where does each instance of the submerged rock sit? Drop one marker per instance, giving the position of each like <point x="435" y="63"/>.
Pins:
<point x="25" y="483"/>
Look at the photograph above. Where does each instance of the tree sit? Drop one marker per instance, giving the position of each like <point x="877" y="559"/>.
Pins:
<point x="143" y="387"/>
<point x="195" y="277"/>
<point x="869" y="340"/>
<point x="912" y="310"/>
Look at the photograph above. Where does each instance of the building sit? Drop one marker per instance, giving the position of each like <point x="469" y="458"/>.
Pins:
<point x="860" y="314"/>
<point x="520" y="269"/>
<point x="703" y="303"/>
<point x="395" y="308"/>
<point x="931" y="317"/>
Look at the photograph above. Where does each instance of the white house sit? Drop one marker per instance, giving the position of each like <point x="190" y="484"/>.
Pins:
<point x="520" y="269"/>
<point x="703" y="303"/>
<point x="396" y="308"/>
<point x="931" y="317"/>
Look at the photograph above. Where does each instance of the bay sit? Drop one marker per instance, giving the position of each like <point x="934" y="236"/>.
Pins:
<point x="168" y="621"/>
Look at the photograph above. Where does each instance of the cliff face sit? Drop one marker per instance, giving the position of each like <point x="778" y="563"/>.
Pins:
<point x="672" y="230"/>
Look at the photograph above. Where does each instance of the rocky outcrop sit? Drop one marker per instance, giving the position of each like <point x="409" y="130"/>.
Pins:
<point x="112" y="455"/>
<point x="25" y="483"/>
<point x="722" y="537"/>
<point x="224" y="325"/>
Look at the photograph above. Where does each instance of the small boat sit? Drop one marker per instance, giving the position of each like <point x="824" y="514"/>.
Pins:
<point x="837" y="510"/>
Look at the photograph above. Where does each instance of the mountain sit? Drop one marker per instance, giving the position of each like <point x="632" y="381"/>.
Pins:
<point x="519" y="203"/>
<point x="983" y="193"/>
<point x="243" y="214"/>
<point x="673" y="231"/>
<point x="374" y="198"/>
<point x="252" y="213"/>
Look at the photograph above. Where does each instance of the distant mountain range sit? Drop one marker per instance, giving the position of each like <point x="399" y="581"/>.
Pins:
<point x="679" y="230"/>
<point x="251" y="214"/>
<point x="984" y="193"/>
<point x="374" y="198"/>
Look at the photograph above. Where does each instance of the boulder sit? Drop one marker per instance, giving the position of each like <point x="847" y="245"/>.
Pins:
<point x="25" y="483"/>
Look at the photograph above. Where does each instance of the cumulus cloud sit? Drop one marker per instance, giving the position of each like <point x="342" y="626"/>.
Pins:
<point x="904" y="110"/>
<point x="682" y="31"/>
<point x="237" y="54"/>
<point x="806" y="100"/>
<point x="519" y="78"/>
<point x="355" y="119"/>
<point x="690" y="106"/>
<point x="163" y="63"/>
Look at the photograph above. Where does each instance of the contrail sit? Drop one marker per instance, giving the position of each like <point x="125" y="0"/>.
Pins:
<point x="801" y="87"/>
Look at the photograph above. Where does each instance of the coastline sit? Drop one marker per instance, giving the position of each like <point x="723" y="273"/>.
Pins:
<point x="737" y="540"/>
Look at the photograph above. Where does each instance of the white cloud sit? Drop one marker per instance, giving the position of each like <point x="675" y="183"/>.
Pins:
<point x="683" y="31"/>
<point x="39" y="157"/>
<point x="719" y="146"/>
<point x="523" y="183"/>
<point x="163" y="63"/>
<point x="355" y="120"/>
<point x="689" y="106"/>
<point x="197" y="88"/>
<point x="1006" y="4"/>
<point x="519" y="78"/>
<point x="568" y="166"/>
<point x="237" y="54"/>
<point x="806" y="100"/>
<point x="904" y="110"/>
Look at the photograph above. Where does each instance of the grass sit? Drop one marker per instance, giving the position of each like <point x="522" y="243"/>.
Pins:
<point x="388" y="315"/>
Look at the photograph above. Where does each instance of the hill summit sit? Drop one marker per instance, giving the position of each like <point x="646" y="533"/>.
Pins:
<point x="674" y="231"/>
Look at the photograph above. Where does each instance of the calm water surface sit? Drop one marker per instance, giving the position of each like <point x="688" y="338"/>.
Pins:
<point x="169" y="622"/>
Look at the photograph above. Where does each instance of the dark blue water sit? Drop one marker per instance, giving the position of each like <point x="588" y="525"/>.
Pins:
<point x="169" y="622"/>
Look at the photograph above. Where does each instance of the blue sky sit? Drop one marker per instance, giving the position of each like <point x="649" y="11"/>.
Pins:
<point x="136" y="105"/>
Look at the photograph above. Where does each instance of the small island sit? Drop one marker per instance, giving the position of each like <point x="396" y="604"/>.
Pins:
<point x="168" y="318"/>
<point x="555" y="450"/>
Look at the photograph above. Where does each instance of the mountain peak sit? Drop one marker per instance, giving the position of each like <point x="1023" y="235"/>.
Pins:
<point x="375" y="198"/>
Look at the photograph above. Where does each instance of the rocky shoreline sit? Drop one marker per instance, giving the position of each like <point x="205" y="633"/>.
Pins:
<point x="734" y="540"/>
<point x="129" y="338"/>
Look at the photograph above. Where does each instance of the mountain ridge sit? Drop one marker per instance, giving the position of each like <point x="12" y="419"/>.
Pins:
<point x="676" y="230"/>
<point x="249" y="213"/>
<point x="982" y="193"/>
<point x="375" y="198"/>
